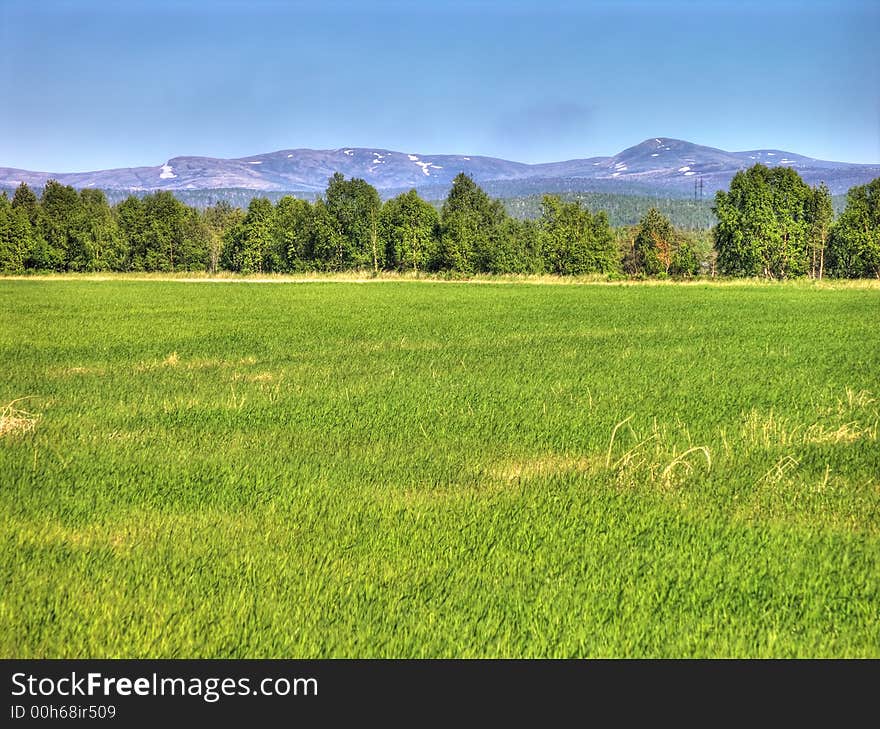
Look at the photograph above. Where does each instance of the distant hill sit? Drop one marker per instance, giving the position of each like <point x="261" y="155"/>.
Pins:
<point x="657" y="167"/>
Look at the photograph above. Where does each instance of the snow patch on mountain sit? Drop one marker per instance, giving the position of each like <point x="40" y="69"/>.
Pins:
<point x="424" y="165"/>
<point x="167" y="172"/>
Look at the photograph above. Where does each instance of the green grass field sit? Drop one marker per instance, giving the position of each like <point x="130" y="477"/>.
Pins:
<point x="415" y="469"/>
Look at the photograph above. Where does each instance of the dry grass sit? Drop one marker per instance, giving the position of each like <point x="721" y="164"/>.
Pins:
<point x="654" y="457"/>
<point x="845" y="433"/>
<point x="779" y="469"/>
<point x="544" y="466"/>
<point x="384" y="276"/>
<point x="14" y="421"/>
<point x="770" y="430"/>
<point x="145" y="529"/>
<point x="261" y="378"/>
<point x="76" y="371"/>
<point x="853" y="399"/>
<point x="682" y="460"/>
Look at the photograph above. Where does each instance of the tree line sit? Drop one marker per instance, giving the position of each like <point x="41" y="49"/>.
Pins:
<point x="625" y="210"/>
<point x="770" y="223"/>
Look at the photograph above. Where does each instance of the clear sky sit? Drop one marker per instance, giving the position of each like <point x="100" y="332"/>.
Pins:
<point x="92" y="85"/>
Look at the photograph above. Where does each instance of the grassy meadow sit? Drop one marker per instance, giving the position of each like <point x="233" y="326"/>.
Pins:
<point x="410" y="469"/>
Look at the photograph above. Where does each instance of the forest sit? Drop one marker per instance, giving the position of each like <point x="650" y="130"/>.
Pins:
<point x="770" y="223"/>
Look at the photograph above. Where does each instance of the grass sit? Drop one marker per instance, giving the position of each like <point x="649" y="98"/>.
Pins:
<point x="411" y="470"/>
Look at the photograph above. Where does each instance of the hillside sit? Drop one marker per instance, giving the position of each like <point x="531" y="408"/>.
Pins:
<point x="658" y="166"/>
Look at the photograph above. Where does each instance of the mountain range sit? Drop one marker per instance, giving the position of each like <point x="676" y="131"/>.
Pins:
<point x="657" y="166"/>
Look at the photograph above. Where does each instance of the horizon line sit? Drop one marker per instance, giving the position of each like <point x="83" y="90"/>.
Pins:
<point x="432" y="154"/>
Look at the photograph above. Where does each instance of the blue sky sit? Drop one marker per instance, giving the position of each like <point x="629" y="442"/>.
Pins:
<point x="92" y="85"/>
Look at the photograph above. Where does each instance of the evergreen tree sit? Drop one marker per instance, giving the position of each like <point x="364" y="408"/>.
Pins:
<point x="470" y="227"/>
<point x="685" y="260"/>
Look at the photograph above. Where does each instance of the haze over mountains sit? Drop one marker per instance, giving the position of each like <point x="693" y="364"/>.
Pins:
<point x="657" y="166"/>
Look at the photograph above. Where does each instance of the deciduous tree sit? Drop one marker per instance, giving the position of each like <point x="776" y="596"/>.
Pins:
<point x="764" y="223"/>
<point x="251" y="244"/>
<point x="409" y="227"/>
<point x="854" y="249"/>
<point x="354" y="205"/>
<point x="574" y="240"/>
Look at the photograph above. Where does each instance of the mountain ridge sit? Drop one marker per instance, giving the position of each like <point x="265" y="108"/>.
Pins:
<point x="660" y="164"/>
